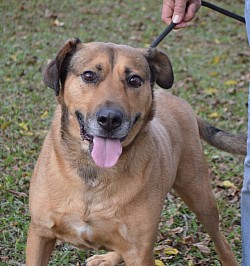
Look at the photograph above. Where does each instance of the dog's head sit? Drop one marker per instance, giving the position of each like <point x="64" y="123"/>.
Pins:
<point x="106" y="92"/>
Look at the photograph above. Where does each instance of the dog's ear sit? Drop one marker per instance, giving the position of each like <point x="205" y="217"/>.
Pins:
<point x="160" y="67"/>
<point x="54" y="74"/>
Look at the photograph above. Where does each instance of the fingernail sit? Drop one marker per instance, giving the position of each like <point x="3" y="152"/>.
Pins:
<point x="176" y="19"/>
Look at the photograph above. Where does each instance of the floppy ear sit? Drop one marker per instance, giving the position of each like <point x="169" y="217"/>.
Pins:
<point x="54" y="74"/>
<point x="160" y="67"/>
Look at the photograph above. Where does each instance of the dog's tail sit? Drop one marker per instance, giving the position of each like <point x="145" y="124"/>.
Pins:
<point x="236" y="144"/>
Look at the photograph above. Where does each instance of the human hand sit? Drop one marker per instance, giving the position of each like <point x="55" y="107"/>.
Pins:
<point x="179" y="11"/>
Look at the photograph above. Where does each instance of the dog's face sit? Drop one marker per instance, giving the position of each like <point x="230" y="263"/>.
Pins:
<point x="106" y="93"/>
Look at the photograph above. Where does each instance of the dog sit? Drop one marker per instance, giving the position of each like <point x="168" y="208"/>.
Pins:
<point x="115" y="148"/>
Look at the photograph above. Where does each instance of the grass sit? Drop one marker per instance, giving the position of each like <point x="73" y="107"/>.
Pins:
<point x="211" y="72"/>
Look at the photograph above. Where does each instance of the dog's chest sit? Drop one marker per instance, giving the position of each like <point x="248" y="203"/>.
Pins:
<point x="90" y="234"/>
<point x="76" y="232"/>
<point x="87" y="225"/>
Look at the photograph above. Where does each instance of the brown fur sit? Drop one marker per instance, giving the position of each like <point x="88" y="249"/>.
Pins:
<point x="118" y="208"/>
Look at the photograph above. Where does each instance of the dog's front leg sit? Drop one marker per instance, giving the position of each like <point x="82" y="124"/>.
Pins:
<point x="135" y="258"/>
<point x="38" y="248"/>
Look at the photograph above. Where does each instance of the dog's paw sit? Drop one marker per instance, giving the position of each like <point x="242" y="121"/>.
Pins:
<point x="109" y="259"/>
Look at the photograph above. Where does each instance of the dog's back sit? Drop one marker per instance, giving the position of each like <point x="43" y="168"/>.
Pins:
<point x="171" y="109"/>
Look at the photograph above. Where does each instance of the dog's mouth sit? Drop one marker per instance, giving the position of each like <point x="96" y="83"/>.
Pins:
<point x="104" y="151"/>
<point x="84" y="135"/>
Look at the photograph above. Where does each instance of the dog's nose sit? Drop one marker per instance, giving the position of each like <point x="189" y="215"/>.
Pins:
<point x="109" y="119"/>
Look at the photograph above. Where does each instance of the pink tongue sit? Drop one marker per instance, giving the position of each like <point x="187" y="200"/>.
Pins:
<point x="106" y="152"/>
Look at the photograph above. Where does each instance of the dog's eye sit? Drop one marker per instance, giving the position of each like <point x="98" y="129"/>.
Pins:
<point x="89" y="76"/>
<point x="135" y="81"/>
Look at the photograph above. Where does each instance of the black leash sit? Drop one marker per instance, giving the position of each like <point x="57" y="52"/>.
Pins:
<point x="203" y="3"/>
<point x="162" y="35"/>
<point x="224" y="11"/>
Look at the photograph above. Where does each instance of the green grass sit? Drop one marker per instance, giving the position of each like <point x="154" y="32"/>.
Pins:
<point x="210" y="61"/>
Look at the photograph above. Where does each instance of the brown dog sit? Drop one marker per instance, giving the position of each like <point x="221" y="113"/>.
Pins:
<point x="115" y="149"/>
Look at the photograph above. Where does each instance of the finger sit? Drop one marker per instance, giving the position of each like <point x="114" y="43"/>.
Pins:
<point x="192" y="7"/>
<point x="179" y="11"/>
<point x="167" y="11"/>
<point x="181" y="25"/>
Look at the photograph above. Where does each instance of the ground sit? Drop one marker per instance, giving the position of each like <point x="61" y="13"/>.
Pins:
<point x="210" y="62"/>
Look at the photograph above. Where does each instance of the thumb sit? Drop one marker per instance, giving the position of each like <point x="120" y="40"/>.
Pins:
<point x="179" y="11"/>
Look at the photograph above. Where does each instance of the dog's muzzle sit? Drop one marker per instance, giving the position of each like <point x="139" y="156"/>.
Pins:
<point x="105" y="130"/>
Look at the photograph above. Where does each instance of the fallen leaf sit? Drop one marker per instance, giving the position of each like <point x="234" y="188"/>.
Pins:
<point x="44" y="115"/>
<point x="213" y="74"/>
<point x="214" y="115"/>
<point x="216" y="60"/>
<point x="189" y="240"/>
<point x="203" y="248"/>
<point x="24" y="126"/>
<point x="217" y="41"/>
<point x="159" y="263"/>
<point x="170" y="221"/>
<point x="210" y="91"/>
<point x="5" y="125"/>
<point x="176" y="230"/>
<point x="58" y="23"/>
<point x="170" y="251"/>
<point x="228" y="184"/>
<point x="231" y="82"/>
<point x="29" y="133"/>
<point x="190" y="263"/>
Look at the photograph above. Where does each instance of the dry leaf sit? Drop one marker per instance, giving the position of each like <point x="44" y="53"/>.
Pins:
<point x="176" y="230"/>
<point x="189" y="240"/>
<point x="214" y="115"/>
<point x="216" y="60"/>
<point x="58" y="23"/>
<point x="170" y="251"/>
<point x="169" y="222"/>
<point x="210" y="91"/>
<point x="24" y="126"/>
<point x="228" y="184"/>
<point x="44" y="115"/>
<point x="217" y="41"/>
<point x="5" y="125"/>
<point x="190" y="263"/>
<point x="202" y="247"/>
<point x="231" y="82"/>
<point x="213" y="74"/>
<point x="159" y="263"/>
